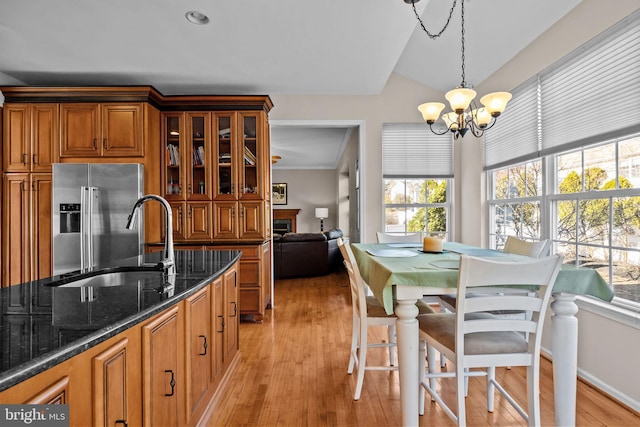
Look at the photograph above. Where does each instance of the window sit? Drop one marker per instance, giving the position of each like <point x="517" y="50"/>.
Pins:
<point x="417" y="171"/>
<point x="595" y="207"/>
<point x="416" y="205"/>
<point x="515" y="205"/>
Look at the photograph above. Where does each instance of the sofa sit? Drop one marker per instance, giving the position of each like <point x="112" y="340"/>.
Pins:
<point x="306" y="254"/>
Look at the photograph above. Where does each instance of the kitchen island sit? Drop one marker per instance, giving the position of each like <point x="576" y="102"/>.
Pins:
<point x="146" y="349"/>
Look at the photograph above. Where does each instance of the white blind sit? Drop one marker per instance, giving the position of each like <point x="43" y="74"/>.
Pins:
<point x="412" y="150"/>
<point x="595" y="91"/>
<point x="515" y="136"/>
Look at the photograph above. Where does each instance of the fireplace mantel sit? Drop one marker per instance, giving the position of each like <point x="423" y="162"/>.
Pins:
<point x="287" y="216"/>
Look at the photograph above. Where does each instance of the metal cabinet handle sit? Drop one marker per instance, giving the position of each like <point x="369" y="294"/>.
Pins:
<point x="95" y="143"/>
<point x="24" y="159"/>
<point x="124" y="422"/>
<point x="172" y="383"/>
<point x="34" y="159"/>
<point x="222" y="324"/>
<point x="204" y="346"/>
<point x="104" y="143"/>
<point x="235" y="308"/>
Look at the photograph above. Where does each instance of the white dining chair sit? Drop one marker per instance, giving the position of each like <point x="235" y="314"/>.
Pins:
<point x="398" y="238"/>
<point x="473" y="337"/>
<point x="367" y="311"/>
<point x="514" y="245"/>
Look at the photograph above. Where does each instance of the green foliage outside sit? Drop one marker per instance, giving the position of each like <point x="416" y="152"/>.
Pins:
<point x="435" y="218"/>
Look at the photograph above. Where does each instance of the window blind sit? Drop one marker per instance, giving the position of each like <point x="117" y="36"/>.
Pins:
<point x="593" y="92"/>
<point x="412" y="150"/>
<point x="516" y="135"/>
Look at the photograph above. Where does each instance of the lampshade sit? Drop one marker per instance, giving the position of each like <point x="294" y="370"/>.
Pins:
<point x="460" y="98"/>
<point x="431" y="111"/>
<point x="451" y="120"/>
<point x="322" y="213"/>
<point x="495" y="102"/>
<point x="481" y="117"/>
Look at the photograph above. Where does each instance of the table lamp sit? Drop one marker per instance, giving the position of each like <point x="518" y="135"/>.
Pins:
<point x="321" y="214"/>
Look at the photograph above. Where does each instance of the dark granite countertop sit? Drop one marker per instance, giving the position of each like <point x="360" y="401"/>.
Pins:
<point x="44" y="324"/>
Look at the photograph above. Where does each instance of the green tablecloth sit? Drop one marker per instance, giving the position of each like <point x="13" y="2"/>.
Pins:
<point x="381" y="273"/>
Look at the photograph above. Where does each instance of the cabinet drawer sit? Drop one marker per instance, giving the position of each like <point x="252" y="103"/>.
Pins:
<point x="249" y="300"/>
<point x="249" y="273"/>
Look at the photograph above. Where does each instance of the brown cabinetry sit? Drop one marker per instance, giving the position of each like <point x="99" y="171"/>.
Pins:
<point x="101" y="130"/>
<point x="160" y="343"/>
<point x="199" y="360"/>
<point x="112" y="396"/>
<point x="31" y="136"/>
<point x="26" y="227"/>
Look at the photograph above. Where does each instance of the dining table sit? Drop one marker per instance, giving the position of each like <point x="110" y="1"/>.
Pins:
<point x="399" y="274"/>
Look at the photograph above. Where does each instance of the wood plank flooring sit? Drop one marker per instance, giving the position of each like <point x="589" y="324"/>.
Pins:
<point x="293" y="372"/>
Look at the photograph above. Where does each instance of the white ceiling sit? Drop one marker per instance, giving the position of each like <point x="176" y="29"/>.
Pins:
<point x="264" y="47"/>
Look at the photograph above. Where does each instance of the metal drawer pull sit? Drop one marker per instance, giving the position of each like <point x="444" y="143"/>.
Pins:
<point x="172" y="383"/>
<point x="204" y="345"/>
<point x="124" y="422"/>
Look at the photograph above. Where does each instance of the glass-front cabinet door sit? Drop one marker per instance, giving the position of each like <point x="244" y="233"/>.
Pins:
<point x="251" y="165"/>
<point x="197" y="156"/>
<point x="173" y="135"/>
<point x="225" y="176"/>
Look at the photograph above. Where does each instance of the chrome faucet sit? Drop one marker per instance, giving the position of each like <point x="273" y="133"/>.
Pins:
<point x="169" y="257"/>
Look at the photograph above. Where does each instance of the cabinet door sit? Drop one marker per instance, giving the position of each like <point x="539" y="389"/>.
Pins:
<point x="17" y="138"/>
<point x="15" y="234"/>
<point x="41" y="231"/>
<point x="197" y="156"/>
<point x="226" y="181"/>
<point x="178" y="216"/>
<point x="251" y="220"/>
<point x="231" y="315"/>
<point x="122" y="130"/>
<point x="253" y="157"/>
<point x="217" y="317"/>
<point x="80" y="130"/>
<point x="173" y="130"/>
<point x="199" y="220"/>
<point x="160" y="370"/>
<point x="44" y="139"/>
<point x="54" y="394"/>
<point x="199" y="348"/>
<point x="225" y="222"/>
<point x="110" y="388"/>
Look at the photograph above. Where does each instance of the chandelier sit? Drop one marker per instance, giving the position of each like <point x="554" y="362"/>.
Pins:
<point x="466" y="115"/>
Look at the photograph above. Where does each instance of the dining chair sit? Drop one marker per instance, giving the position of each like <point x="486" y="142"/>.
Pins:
<point x="473" y="337"/>
<point x="398" y="238"/>
<point x="367" y="311"/>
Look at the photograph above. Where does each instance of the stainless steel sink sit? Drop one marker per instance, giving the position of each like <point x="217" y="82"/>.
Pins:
<point x="117" y="279"/>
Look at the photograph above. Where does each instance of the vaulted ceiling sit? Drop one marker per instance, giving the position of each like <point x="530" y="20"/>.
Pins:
<point x="264" y="47"/>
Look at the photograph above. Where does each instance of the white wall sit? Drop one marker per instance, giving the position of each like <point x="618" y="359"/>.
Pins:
<point x="307" y="190"/>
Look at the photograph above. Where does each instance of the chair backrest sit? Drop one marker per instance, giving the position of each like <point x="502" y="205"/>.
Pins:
<point x="398" y="238"/>
<point x="513" y="245"/>
<point x="356" y="282"/>
<point x="489" y="281"/>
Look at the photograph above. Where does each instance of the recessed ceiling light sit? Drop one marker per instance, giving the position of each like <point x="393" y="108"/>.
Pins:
<point x="196" y="17"/>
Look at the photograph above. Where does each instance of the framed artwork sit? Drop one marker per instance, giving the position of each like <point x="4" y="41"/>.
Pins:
<point x="279" y="194"/>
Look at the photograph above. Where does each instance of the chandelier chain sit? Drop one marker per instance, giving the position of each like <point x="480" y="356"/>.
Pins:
<point x="435" y="35"/>
<point x="464" y="83"/>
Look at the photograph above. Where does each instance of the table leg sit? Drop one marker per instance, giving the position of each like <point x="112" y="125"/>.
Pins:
<point x="408" y="341"/>
<point x="565" y="357"/>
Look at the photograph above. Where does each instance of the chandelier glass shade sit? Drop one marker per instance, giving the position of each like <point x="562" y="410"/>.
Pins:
<point x="466" y="114"/>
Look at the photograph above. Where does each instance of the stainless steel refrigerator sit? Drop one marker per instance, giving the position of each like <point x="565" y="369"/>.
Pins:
<point x="91" y="205"/>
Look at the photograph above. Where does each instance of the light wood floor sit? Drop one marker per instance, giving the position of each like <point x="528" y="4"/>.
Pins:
<point x="293" y="372"/>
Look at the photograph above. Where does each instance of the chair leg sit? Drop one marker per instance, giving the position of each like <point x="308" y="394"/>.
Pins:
<point x="392" y="339"/>
<point x="461" y="380"/>
<point x="533" y="389"/>
<point x="431" y="363"/>
<point x="422" y="350"/>
<point x="362" y="359"/>
<point x="354" y="343"/>
<point x="491" y="389"/>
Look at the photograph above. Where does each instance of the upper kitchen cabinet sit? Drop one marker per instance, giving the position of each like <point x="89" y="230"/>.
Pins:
<point x="101" y="130"/>
<point x="30" y="137"/>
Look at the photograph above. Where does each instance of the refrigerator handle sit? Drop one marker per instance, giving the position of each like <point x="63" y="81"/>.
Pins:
<point x="83" y="227"/>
